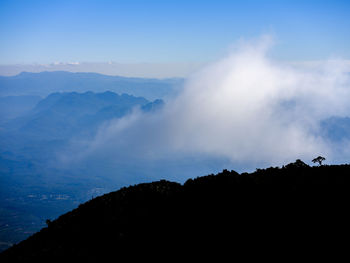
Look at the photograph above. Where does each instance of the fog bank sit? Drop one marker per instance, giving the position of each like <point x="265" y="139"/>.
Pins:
<point x="245" y="107"/>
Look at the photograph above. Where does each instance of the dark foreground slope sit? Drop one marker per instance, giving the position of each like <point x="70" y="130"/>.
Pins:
<point x="287" y="209"/>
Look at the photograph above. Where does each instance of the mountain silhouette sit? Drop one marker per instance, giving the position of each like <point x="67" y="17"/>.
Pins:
<point x="279" y="210"/>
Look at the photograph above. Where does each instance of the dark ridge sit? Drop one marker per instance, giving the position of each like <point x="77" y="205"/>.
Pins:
<point x="282" y="211"/>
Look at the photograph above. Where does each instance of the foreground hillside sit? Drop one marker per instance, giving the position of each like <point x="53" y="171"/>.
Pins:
<point x="276" y="209"/>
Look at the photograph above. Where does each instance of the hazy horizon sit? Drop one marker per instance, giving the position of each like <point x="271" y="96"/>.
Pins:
<point x="140" y="70"/>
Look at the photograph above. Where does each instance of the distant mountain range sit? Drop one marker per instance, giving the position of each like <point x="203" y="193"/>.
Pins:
<point x="62" y="115"/>
<point x="45" y="83"/>
<point x="278" y="212"/>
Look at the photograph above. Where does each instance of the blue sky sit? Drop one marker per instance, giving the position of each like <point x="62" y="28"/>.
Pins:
<point x="168" y="31"/>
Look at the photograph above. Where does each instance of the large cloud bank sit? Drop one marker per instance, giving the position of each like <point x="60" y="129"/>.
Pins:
<point x="245" y="107"/>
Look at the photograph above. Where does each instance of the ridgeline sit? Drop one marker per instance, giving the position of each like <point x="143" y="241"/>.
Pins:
<point x="277" y="210"/>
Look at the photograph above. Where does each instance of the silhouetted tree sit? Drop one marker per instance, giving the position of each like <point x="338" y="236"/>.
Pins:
<point x="319" y="160"/>
<point x="48" y="222"/>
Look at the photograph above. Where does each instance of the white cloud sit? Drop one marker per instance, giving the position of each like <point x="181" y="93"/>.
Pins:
<point x="245" y="107"/>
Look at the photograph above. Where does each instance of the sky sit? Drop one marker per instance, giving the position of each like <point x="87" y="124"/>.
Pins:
<point x="168" y="32"/>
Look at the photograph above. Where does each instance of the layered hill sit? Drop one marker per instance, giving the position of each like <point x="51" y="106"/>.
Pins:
<point x="285" y="209"/>
<point x="61" y="115"/>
